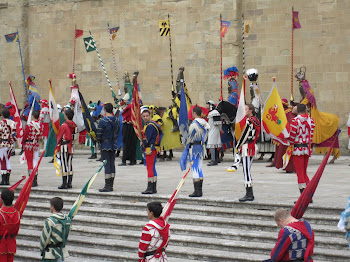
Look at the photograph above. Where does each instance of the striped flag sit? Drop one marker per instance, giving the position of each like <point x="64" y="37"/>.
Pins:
<point x="16" y="117"/>
<point x="241" y="118"/>
<point x="23" y="197"/>
<point x="10" y="38"/>
<point x="113" y="32"/>
<point x="54" y="115"/>
<point x="224" y="27"/>
<point x="136" y="112"/>
<point x="88" y="122"/>
<point x="74" y="210"/>
<point x="164" y="27"/>
<point x="183" y="115"/>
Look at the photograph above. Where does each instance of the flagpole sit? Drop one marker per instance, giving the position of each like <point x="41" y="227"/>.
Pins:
<point x="221" y="96"/>
<point x="75" y="41"/>
<point x="171" y="55"/>
<point x="115" y="64"/>
<point x="243" y="48"/>
<point x="24" y="76"/>
<point x="19" y="129"/>
<point x="103" y="67"/>
<point x="292" y="59"/>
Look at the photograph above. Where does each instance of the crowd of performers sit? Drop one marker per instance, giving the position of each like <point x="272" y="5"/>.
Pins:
<point x="210" y="133"/>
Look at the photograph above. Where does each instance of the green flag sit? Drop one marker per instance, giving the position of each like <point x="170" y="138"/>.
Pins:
<point x="89" y="44"/>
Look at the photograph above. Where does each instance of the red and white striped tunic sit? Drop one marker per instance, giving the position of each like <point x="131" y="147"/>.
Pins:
<point x="301" y="133"/>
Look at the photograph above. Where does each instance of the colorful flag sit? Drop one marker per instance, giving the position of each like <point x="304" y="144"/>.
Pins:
<point x="274" y="118"/>
<point x="224" y="27"/>
<point x="306" y="197"/>
<point x="287" y="156"/>
<point x="73" y="211"/>
<point x="54" y="114"/>
<point x="164" y="27"/>
<point x="10" y="38"/>
<point x="183" y="115"/>
<point x="241" y="119"/>
<point x="113" y="32"/>
<point x="78" y="33"/>
<point x="296" y="23"/>
<point x="88" y="122"/>
<point x="16" y="118"/>
<point x="89" y="44"/>
<point x="136" y="112"/>
<point x="23" y="197"/>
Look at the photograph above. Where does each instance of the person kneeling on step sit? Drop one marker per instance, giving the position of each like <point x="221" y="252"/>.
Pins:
<point x="151" y="145"/>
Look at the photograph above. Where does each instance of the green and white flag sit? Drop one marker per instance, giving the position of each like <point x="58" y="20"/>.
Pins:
<point x="89" y="44"/>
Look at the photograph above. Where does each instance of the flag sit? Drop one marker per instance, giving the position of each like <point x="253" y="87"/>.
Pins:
<point x="173" y="199"/>
<point x="136" y="112"/>
<point x="10" y="38"/>
<point x="164" y="27"/>
<point x="287" y="156"/>
<point x="23" y="197"/>
<point x="296" y="23"/>
<point x="54" y="114"/>
<point x="16" y="118"/>
<point x="73" y="211"/>
<point x="274" y="118"/>
<point x="57" y="162"/>
<point x="183" y="115"/>
<point x="78" y="33"/>
<point x="306" y="197"/>
<point x="113" y="32"/>
<point x="241" y="118"/>
<point x="31" y="112"/>
<point x="224" y="27"/>
<point x="89" y="44"/>
<point x="247" y="27"/>
<point x="88" y="122"/>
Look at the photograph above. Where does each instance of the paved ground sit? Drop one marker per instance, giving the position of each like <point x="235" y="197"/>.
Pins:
<point x="270" y="184"/>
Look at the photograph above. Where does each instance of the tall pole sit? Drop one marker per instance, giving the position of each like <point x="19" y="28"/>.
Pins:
<point x="292" y="60"/>
<point x="24" y="75"/>
<point x="115" y="64"/>
<point x="243" y="49"/>
<point x="221" y="96"/>
<point x="75" y="41"/>
<point x="171" y="55"/>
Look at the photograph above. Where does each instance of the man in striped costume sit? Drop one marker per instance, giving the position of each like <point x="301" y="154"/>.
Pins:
<point x="301" y="133"/>
<point x="155" y="236"/>
<point x="55" y="233"/>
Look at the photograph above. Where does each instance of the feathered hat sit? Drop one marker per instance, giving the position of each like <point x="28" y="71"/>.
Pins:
<point x="252" y="74"/>
<point x="231" y="72"/>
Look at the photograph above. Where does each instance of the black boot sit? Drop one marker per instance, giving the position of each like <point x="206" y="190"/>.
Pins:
<point x="93" y="156"/>
<point x="212" y="163"/>
<point x="70" y="179"/>
<point x="64" y="183"/>
<point x="149" y="189"/>
<point x="154" y="187"/>
<point x="248" y="196"/>
<point x="112" y="183"/>
<point x="35" y="181"/>
<point x="3" y="179"/>
<point x="7" y="177"/>
<point x="197" y="189"/>
<point x="107" y="187"/>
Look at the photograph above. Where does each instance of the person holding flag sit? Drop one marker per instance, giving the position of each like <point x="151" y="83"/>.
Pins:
<point x="7" y="140"/>
<point x="155" y="236"/>
<point x="44" y="117"/>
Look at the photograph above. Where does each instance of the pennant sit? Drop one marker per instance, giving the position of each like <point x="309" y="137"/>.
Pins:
<point x="183" y="115"/>
<point x="274" y="118"/>
<point x="31" y="112"/>
<point x="89" y="44"/>
<point x="247" y="27"/>
<point x="241" y="119"/>
<point x="136" y="112"/>
<point x="113" y="32"/>
<point x="78" y="33"/>
<point x="164" y="27"/>
<point x="57" y="162"/>
<point x="74" y="210"/>
<point x="16" y="117"/>
<point x="88" y="122"/>
<point x="23" y="197"/>
<point x="10" y="38"/>
<point x="54" y="114"/>
<point x="296" y="23"/>
<point x="224" y="27"/>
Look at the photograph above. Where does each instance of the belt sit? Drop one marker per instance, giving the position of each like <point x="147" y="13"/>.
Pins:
<point x="64" y="143"/>
<point x="59" y="244"/>
<point x="151" y="253"/>
<point x="196" y="143"/>
<point x="8" y="236"/>
<point x="301" y="145"/>
<point x="28" y="141"/>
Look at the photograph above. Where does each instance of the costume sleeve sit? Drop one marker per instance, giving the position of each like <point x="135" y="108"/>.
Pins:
<point x="245" y="133"/>
<point x="293" y="131"/>
<point x="348" y="130"/>
<point x="100" y="130"/>
<point x="151" y="134"/>
<point x="144" y="242"/>
<point x="281" y="247"/>
<point x="312" y="126"/>
<point x="41" y="116"/>
<point x="60" y="134"/>
<point x="45" y="236"/>
<point x="25" y="134"/>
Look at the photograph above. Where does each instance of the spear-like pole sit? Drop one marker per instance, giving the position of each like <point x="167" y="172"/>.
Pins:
<point x="292" y="60"/>
<point x="115" y="64"/>
<point x="24" y="75"/>
<point x="171" y="55"/>
<point x="75" y="41"/>
<point x="103" y="67"/>
<point x="221" y="97"/>
<point x="243" y="49"/>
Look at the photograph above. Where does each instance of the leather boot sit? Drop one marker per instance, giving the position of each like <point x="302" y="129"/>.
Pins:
<point x="154" y="187"/>
<point x="3" y="179"/>
<point x="149" y="189"/>
<point x="112" y="183"/>
<point x="93" y="156"/>
<point x="7" y="177"/>
<point x="212" y="163"/>
<point x="197" y="189"/>
<point x="35" y="181"/>
<point x="107" y="187"/>
<point x="70" y="179"/>
<point x="248" y="196"/>
<point x="64" y="183"/>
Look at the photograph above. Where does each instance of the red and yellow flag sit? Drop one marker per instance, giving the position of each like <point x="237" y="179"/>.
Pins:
<point x="296" y="23"/>
<point x="136" y="112"/>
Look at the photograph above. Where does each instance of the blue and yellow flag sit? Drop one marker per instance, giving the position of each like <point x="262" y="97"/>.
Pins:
<point x="88" y="122"/>
<point x="74" y="210"/>
<point x="10" y="38"/>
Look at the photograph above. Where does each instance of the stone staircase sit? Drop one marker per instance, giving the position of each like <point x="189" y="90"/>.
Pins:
<point x="108" y="227"/>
